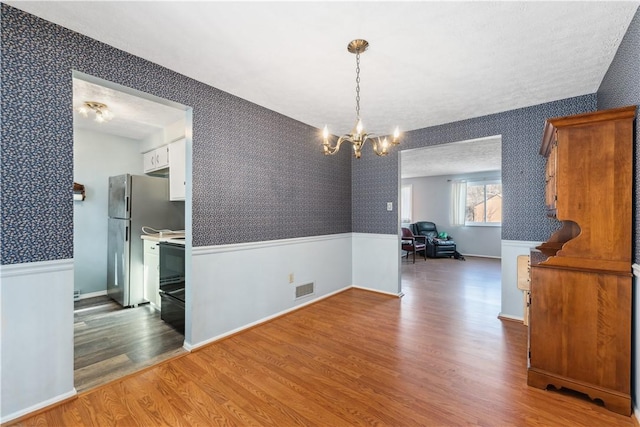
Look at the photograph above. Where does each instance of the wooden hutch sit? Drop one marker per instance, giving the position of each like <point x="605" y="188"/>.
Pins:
<point x="581" y="280"/>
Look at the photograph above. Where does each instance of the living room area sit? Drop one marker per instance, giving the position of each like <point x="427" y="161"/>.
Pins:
<point x="455" y="191"/>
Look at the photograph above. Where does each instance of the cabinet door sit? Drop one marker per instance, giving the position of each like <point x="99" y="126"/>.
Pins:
<point x="151" y="273"/>
<point x="580" y="327"/>
<point x="156" y="159"/>
<point x="177" y="175"/>
<point x="162" y="157"/>
<point x="149" y="162"/>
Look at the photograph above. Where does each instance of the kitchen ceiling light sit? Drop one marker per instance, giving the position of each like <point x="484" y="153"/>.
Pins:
<point x="358" y="135"/>
<point x="101" y="111"/>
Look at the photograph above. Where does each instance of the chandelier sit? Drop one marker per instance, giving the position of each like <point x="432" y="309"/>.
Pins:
<point x="358" y="135"/>
<point x="101" y="111"/>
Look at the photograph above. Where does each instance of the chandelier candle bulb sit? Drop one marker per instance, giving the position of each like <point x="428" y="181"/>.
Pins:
<point x="359" y="136"/>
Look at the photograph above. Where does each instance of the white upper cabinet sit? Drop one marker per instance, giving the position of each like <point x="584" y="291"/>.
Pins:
<point x="177" y="173"/>
<point x="156" y="159"/>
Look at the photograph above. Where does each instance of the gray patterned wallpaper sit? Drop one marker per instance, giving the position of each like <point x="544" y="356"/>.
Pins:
<point x="257" y="175"/>
<point x="621" y="87"/>
<point x="375" y="180"/>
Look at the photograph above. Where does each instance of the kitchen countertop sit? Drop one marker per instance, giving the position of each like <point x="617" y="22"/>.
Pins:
<point x="173" y="237"/>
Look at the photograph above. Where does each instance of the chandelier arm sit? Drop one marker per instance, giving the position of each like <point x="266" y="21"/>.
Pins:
<point x="330" y="150"/>
<point x="378" y="152"/>
<point x="384" y="144"/>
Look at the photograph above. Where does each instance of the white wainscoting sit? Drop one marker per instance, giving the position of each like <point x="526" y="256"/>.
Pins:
<point x="36" y="300"/>
<point x="512" y="307"/>
<point x="376" y="262"/>
<point x="232" y="287"/>
<point x="236" y="286"/>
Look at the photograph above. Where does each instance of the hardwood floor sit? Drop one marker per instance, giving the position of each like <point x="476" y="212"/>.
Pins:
<point x="436" y="357"/>
<point x="111" y="342"/>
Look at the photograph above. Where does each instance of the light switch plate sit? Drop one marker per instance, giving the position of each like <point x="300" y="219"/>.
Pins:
<point x="389" y="206"/>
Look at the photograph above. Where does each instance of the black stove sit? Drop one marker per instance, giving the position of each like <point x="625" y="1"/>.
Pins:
<point x="172" y="284"/>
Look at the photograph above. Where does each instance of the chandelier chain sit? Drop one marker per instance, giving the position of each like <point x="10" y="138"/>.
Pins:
<point x="358" y="85"/>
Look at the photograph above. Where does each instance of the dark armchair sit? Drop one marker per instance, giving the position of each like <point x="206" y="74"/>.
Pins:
<point x="413" y="244"/>
<point x="436" y="247"/>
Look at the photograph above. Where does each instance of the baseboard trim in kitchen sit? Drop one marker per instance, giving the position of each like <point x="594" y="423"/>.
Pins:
<point x="92" y="295"/>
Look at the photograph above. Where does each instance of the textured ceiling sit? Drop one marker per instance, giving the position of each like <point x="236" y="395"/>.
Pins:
<point x="478" y="155"/>
<point x="429" y="62"/>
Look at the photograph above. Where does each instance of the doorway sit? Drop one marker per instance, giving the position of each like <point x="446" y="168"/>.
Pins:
<point x="431" y="177"/>
<point x="118" y="126"/>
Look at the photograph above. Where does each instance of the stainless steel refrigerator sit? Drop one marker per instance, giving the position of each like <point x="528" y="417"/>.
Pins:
<point x="135" y="201"/>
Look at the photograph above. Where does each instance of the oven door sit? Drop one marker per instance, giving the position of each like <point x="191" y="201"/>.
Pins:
<point x="172" y="284"/>
<point x="171" y="264"/>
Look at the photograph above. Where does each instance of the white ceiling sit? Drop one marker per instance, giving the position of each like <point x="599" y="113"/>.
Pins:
<point x="133" y="116"/>
<point x="428" y="63"/>
<point x="463" y="157"/>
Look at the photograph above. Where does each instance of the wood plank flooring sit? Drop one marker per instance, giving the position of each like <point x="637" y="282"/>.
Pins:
<point x="436" y="357"/>
<point x="111" y="342"/>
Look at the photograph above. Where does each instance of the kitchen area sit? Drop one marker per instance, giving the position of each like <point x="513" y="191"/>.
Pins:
<point x="129" y="231"/>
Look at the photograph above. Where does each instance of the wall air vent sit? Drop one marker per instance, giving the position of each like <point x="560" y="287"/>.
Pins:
<point x="76" y="294"/>
<point x="304" y="290"/>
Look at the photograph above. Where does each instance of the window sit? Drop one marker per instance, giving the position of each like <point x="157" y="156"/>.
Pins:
<point x="484" y="203"/>
<point x="406" y="204"/>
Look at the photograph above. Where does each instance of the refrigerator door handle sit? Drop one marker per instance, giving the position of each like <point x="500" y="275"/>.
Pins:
<point x="126" y="199"/>
<point x="126" y="234"/>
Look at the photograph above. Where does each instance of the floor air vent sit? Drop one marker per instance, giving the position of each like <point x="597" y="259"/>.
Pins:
<point x="304" y="290"/>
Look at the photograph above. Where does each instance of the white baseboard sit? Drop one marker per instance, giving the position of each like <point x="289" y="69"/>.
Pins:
<point x="510" y="317"/>
<point x="38" y="406"/>
<point x="92" y="295"/>
<point x="482" y="256"/>
<point x="191" y="347"/>
<point x="393" y="294"/>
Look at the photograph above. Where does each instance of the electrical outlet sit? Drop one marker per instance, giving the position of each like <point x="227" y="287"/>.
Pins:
<point x="290" y="277"/>
<point x="389" y="206"/>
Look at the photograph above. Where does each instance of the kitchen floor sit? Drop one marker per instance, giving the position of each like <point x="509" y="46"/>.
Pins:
<point x="111" y="342"/>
